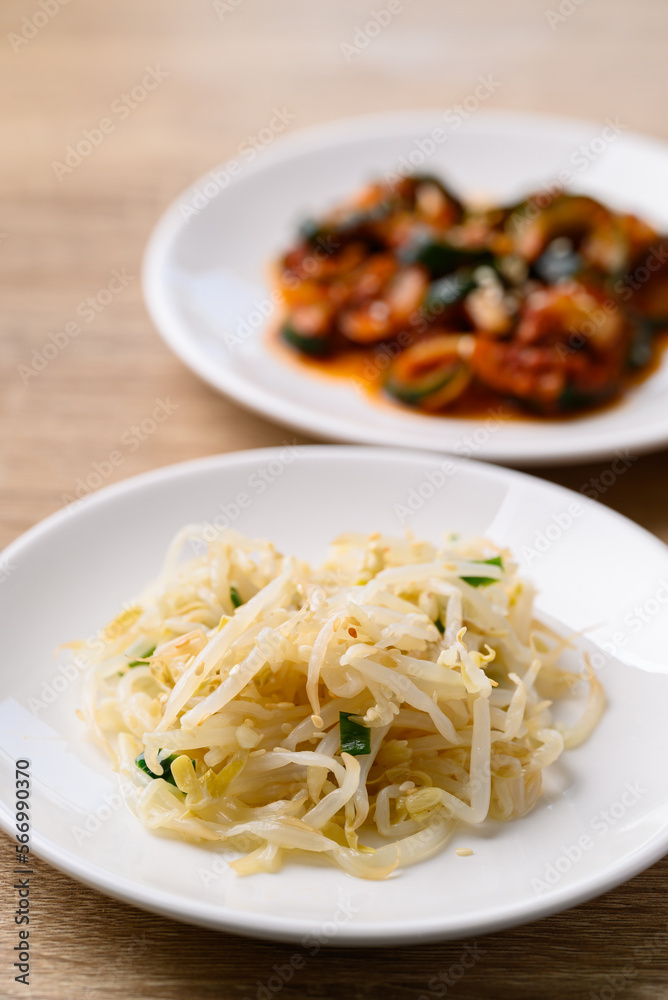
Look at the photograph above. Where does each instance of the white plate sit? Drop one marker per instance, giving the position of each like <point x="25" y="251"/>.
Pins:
<point x="70" y="574"/>
<point x="206" y="266"/>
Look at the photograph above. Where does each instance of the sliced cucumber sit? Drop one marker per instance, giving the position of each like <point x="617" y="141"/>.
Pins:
<point x="449" y="291"/>
<point x="429" y="374"/>
<point x="573" y="216"/>
<point x="641" y="350"/>
<point x="573" y="398"/>
<point x="352" y="225"/>
<point x="441" y="258"/>
<point x="557" y="262"/>
<point x="313" y="343"/>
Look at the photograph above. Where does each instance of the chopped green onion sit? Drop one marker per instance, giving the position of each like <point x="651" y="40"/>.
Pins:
<point x="355" y="739"/>
<point x="235" y="597"/>
<point x="439" y="625"/>
<point x="483" y="581"/>
<point x="167" y="762"/>
<point x="140" y="662"/>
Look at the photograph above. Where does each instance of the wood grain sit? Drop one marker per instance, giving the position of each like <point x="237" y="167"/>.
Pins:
<point x="227" y="66"/>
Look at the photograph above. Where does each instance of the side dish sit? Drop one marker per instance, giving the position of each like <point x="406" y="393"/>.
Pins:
<point x="552" y="303"/>
<point x="359" y="710"/>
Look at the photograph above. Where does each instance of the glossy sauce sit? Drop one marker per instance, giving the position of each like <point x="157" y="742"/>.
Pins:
<point x="367" y="368"/>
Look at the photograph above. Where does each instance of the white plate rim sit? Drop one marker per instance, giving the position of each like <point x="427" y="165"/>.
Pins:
<point x="267" y="926"/>
<point x="593" y="446"/>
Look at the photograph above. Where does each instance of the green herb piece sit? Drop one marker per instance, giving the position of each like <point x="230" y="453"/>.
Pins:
<point x="140" y="761"/>
<point x="483" y="581"/>
<point x="140" y="662"/>
<point x="355" y="739"/>
<point x="235" y="597"/>
<point x="439" y="625"/>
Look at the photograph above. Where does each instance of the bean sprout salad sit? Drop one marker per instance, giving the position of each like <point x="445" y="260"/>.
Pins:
<point x="360" y="710"/>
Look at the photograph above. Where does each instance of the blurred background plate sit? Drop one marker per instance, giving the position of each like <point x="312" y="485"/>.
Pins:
<point x="207" y="267"/>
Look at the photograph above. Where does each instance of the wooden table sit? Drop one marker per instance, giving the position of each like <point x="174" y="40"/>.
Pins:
<point x="216" y="70"/>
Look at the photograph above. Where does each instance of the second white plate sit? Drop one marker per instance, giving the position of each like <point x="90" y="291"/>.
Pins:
<point x="207" y="261"/>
